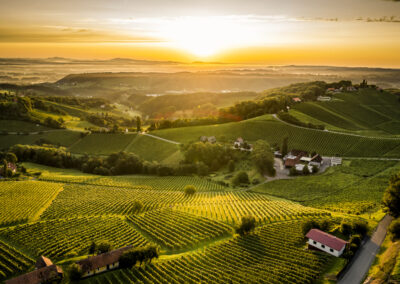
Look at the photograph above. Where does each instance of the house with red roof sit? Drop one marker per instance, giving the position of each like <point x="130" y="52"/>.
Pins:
<point x="323" y="241"/>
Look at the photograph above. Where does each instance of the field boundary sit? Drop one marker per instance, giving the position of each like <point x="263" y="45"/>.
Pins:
<point x="162" y="139"/>
<point x="37" y="215"/>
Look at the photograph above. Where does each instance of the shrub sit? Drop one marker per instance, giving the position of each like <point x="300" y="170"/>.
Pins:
<point x="190" y="190"/>
<point x="394" y="230"/>
<point x="240" y="178"/>
<point x="247" y="225"/>
<point x="104" y="247"/>
<point x="74" y="272"/>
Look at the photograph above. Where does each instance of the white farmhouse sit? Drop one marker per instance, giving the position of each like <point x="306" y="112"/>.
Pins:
<point x="336" y="161"/>
<point x="320" y="240"/>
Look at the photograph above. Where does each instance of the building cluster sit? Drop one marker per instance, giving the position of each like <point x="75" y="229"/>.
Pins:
<point x="210" y="139"/>
<point x="47" y="272"/>
<point x="299" y="159"/>
<point x="242" y="145"/>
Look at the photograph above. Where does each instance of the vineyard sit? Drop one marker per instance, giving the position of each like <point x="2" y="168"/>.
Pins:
<point x="165" y="183"/>
<point x="275" y="254"/>
<point x="352" y="188"/>
<point x="229" y="207"/>
<point x="21" y="201"/>
<point x="175" y="230"/>
<point x="71" y="237"/>
<point x="265" y="127"/>
<point x="12" y="261"/>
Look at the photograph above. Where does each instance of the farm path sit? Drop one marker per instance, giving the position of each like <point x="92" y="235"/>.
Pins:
<point x="34" y="132"/>
<point x="162" y="139"/>
<point x="336" y="132"/>
<point x="366" y="254"/>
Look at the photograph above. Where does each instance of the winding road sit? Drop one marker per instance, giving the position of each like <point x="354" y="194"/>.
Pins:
<point x="365" y="255"/>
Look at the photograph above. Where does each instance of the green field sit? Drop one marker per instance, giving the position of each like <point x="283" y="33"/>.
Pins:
<point x="102" y="144"/>
<point x="57" y="137"/>
<point x="20" y="126"/>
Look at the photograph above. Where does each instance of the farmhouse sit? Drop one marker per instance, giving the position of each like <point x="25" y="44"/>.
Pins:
<point x="242" y="145"/>
<point x="45" y="272"/>
<point x="297" y="100"/>
<point x="294" y="157"/>
<point x="320" y="240"/>
<point x="10" y="166"/>
<point x="316" y="160"/>
<point x="210" y="139"/>
<point x="102" y="262"/>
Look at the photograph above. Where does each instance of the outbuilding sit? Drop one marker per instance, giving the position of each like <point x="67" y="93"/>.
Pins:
<point x="323" y="241"/>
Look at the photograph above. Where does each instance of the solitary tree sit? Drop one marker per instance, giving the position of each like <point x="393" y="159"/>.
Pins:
<point x="138" y="124"/>
<point x="189" y="190"/>
<point x="240" y="178"/>
<point x="247" y="225"/>
<point x="92" y="248"/>
<point x="137" y="206"/>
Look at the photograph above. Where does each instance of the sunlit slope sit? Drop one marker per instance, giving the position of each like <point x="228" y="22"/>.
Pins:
<point x="268" y="128"/>
<point x="361" y="111"/>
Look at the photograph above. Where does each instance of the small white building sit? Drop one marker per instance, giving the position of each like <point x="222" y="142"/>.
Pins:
<point x="336" y="161"/>
<point x="328" y="243"/>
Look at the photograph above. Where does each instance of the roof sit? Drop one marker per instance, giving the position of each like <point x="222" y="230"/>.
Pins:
<point x="299" y="153"/>
<point x="326" y="239"/>
<point x="101" y="260"/>
<point x="297" y="99"/>
<point x="43" y="262"/>
<point x="291" y="162"/>
<point x="37" y="276"/>
<point x="317" y="158"/>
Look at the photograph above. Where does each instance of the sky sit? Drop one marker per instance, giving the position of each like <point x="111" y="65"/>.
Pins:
<point x="311" y="32"/>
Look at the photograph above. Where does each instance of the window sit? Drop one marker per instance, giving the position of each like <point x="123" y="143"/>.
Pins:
<point x="323" y="246"/>
<point x="331" y="250"/>
<point x="314" y="242"/>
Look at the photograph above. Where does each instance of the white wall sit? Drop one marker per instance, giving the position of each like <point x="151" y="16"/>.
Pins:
<point x="326" y="248"/>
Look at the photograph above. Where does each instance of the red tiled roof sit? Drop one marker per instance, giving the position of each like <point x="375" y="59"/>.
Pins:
<point x="326" y="239"/>
<point x="37" y="276"/>
<point x="102" y="260"/>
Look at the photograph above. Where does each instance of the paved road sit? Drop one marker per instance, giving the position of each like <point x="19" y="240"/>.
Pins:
<point x="366" y="255"/>
<point x="336" y="132"/>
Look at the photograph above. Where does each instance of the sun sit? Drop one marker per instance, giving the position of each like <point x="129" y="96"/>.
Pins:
<point x="205" y="36"/>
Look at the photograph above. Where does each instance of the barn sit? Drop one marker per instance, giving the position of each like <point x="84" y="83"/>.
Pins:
<point x="323" y="241"/>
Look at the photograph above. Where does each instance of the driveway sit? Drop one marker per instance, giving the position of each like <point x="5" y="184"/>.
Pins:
<point x="366" y="254"/>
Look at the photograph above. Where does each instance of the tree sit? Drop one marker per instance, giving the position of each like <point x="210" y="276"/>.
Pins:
<point x="11" y="157"/>
<point x="137" y="206"/>
<point x="92" y="248"/>
<point x="306" y="170"/>
<point x="263" y="157"/>
<point x="247" y="225"/>
<point x="231" y="166"/>
<point x="360" y="227"/>
<point x="138" y="124"/>
<point x="391" y="197"/>
<point x="189" y="190"/>
<point x="240" y="178"/>
<point x="74" y="272"/>
<point x="315" y="169"/>
<point x="103" y="247"/>
<point x="308" y="225"/>
<point x="345" y="228"/>
<point x="293" y="171"/>
<point x="394" y="230"/>
<point x="285" y="146"/>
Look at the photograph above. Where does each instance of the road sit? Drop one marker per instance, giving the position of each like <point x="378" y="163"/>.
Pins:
<point x="336" y="132"/>
<point x="366" y="255"/>
<point x="162" y="139"/>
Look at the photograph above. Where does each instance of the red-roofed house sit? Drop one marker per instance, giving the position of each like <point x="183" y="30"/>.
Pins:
<point x="320" y="240"/>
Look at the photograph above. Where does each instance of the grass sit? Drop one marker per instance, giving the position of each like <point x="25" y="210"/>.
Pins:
<point x="152" y="149"/>
<point x="102" y="144"/>
<point x="59" y="137"/>
<point x="20" y="126"/>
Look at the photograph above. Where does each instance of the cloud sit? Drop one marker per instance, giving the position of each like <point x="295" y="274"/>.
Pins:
<point x="384" y="19"/>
